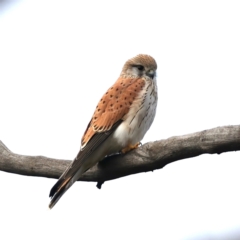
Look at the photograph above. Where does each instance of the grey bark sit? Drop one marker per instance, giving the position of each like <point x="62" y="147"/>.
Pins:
<point x="150" y="156"/>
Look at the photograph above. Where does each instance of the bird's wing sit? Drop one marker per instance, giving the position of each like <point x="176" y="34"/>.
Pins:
<point x="109" y="113"/>
<point x="114" y="104"/>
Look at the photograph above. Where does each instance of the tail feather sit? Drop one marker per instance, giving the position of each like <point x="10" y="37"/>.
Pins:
<point x="58" y="190"/>
<point x="62" y="181"/>
<point x="68" y="178"/>
<point x="96" y="149"/>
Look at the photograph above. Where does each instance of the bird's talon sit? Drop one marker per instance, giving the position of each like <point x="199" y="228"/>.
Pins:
<point x="130" y="147"/>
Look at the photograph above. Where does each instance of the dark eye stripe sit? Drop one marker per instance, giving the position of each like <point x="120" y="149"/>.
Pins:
<point x="139" y="67"/>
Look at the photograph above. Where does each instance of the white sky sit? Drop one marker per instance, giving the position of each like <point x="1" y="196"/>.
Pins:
<point x="56" y="60"/>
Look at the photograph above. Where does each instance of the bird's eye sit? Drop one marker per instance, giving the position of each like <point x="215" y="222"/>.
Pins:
<point x="140" y="67"/>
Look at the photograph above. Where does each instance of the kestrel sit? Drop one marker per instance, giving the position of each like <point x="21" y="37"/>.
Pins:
<point x="122" y="117"/>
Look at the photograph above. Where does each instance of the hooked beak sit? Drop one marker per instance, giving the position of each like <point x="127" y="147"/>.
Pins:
<point x="151" y="73"/>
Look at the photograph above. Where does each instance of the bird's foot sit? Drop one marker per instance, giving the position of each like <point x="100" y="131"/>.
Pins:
<point x="130" y="147"/>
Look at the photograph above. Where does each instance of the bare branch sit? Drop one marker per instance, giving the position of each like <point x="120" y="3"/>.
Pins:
<point x="150" y="156"/>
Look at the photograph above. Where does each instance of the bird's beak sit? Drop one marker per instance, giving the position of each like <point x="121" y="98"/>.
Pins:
<point x="151" y="73"/>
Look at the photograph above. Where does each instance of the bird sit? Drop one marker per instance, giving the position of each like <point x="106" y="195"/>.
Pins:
<point x="121" y="119"/>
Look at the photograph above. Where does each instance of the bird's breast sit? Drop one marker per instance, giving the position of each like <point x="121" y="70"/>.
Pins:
<point x="140" y="116"/>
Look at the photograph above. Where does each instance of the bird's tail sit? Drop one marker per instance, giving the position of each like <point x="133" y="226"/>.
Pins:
<point x="68" y="178"/>
<point x="61" y="186"/>
<point x="58" y="190"/>
<point x="96" y="149"/>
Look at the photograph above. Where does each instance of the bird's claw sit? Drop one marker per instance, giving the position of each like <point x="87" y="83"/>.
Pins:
<point x="130" y="147"/>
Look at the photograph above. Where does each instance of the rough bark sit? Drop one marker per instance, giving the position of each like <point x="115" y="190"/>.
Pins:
<point x="150" y="156"/>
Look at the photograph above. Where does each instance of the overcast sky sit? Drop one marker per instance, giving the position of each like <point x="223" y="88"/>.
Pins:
<point x="57" y="58"/>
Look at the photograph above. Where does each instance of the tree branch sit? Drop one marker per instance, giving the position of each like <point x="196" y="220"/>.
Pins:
<point x="150" y="156"/>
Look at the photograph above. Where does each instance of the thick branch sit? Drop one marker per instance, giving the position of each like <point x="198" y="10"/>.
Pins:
<point x="150" y="156"/>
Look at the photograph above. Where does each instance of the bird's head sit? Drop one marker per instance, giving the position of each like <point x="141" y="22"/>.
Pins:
<point x="140" y="66"/>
